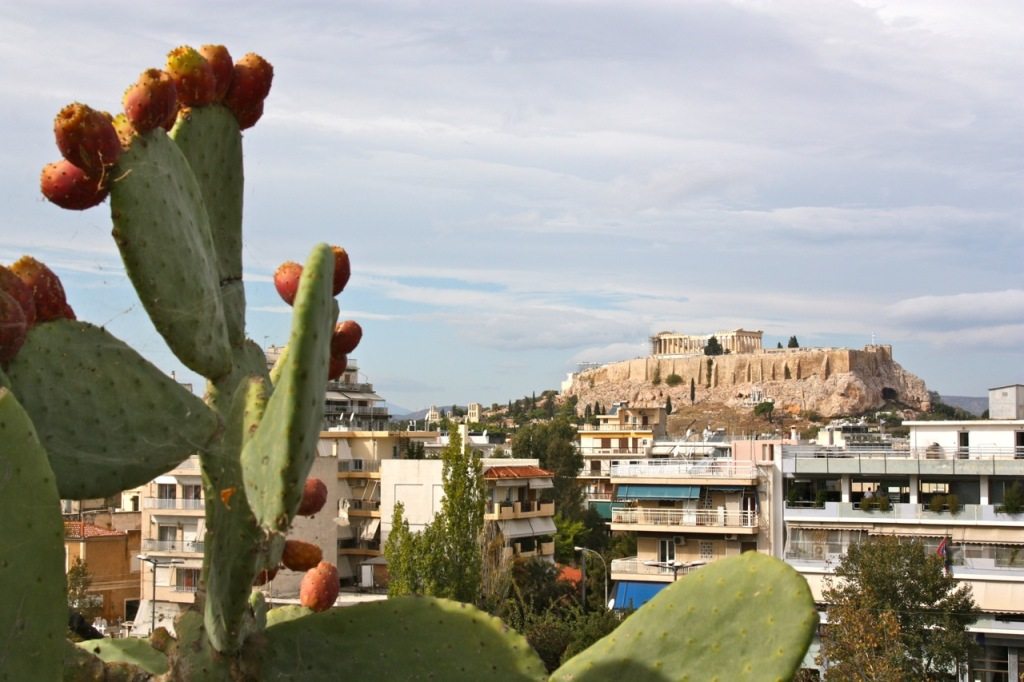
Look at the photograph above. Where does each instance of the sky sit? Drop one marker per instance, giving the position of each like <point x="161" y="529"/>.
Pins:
<point x="523" y="186"/>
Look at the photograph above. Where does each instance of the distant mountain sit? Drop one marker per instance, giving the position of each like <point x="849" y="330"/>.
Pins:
<point x="966" y="403"/>
<point x="399" y="412"/>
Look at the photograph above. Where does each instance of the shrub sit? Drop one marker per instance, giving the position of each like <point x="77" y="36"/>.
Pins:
<point x="953" y="502"/>
<point x="673" y="380"/>
<point x="937" y="503"/>
<point x="1013" y="500"/>
<point x="883" y="503"/>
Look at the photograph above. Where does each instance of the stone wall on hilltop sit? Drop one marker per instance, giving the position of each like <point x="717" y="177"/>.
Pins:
<point x="830" y="381"/>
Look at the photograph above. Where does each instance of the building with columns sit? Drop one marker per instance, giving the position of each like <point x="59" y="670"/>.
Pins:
<point x="666" y="344"/>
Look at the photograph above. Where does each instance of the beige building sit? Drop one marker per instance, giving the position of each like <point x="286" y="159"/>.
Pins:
<point x="109" y="555"/>
<point x="518" y="501"/>
<point x="667" y="344"/>
<point x="473" y="412"/>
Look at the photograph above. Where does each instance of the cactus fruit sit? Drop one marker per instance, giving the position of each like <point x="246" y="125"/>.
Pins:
<point x="86" y="138"/>
<point x="125" y="130"/>
<point x="314" y="496"/>
<point x="286" y="280"/>
<point x="301" y="556"/>
<point x="223" y="68"/>
<point x="151" y="102"/>
<point x="342" y="269"/>
<point x="339" y="363"/>
<point x="250" y="85"/>
<point x="264" y="577"/>
<point x="47" y="291"/>
<point x="13" y="327"/>
<point x="65" y="184"/>
<point x="12" y="285"/>
<point x="319" y="587"/>
<point x="192" y="75"/>
<point x="346" y="337"/>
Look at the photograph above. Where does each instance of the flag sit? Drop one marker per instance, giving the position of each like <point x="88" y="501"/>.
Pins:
<point x="941" y="551"/>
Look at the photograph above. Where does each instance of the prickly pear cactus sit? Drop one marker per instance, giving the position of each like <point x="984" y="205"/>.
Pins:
<point x="83" y="415"/>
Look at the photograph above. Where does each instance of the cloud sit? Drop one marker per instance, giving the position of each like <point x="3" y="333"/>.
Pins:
<point x="995" y="310"/>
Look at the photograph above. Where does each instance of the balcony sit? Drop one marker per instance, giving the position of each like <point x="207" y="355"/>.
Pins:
<point x="525" y="509"/>
<point x="633" y="568"/>
<point x="632" y="428"/>
<point x="933" y="460"/>
<point x="184" y="588"/>
<point x="677" y="469"/>
<point x="350" y="547"/>
<point x="701" y="520"/>
<point x="903" y="512"/>
<point x="188" y="547"/>
<point x="358" y="468"/>
<point x="172" y="503"/>
<point x="520" y="550"/>
<point x="365" y="508"/>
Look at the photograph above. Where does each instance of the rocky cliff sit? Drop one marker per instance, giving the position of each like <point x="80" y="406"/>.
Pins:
<point x="830" y="381"/>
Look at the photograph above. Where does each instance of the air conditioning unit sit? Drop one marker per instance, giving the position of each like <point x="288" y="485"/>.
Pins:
<point x="679" y="540"/>
<point x="732" y="537"/>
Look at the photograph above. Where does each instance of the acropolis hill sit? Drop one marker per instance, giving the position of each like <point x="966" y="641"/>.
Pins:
<point x="830" y="381"/>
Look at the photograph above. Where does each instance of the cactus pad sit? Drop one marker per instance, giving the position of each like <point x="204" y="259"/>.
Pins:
<point x="163" y="231"/>
<point x="137" y="652"/>
<point x="749" y="617"/>
<point x="440" y="640"/>
<point x="277" y="459"/>
<point x="109" y="419"/>
<point x="33" y="606"/>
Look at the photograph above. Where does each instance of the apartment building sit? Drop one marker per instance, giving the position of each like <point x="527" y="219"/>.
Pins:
<point x="689" y="500"/>
<point x="518" y="501"/>
<point x="110" y="557"/>
<point x="946" y="480"/>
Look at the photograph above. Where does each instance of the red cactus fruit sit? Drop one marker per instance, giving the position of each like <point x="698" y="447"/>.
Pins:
<point x="286" y="280"/>
<point x="264" y="577"/>
<point x="192" y="75"/>
<point x="86" y="138"/>
<point x="47" y="291"/>
<point x="12" y="285"/>
<point x="300" y="556"/>
<point x="68" y="186"/>
<point x="152" y="101"/>
<point x="250" y="85"/>
<point x="346" y="337"/>
<point x="69" y="312"/>
<point x="342" y="269"/>
<point x="314" y="495"/>
<point x="247" y="118"/>
<point x="319" y="587"/>
<point x="338" y="365"/>
<point x="13" y="327"/>
<point x="223" y="68"/>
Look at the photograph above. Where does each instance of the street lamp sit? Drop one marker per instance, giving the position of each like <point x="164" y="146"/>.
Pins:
<point x="154" y="562"/>
<point x="584" y="564"/>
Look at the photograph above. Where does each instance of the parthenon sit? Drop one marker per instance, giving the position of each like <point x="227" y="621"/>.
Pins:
<point x="735" y="341"/>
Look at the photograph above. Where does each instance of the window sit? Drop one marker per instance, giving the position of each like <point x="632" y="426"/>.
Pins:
<point x="192" y="492"/>
<point x="187" y="580"/>
<point x="167" y="533"/>
<point x="707" y="550"/>
<point x="166" y="491"/>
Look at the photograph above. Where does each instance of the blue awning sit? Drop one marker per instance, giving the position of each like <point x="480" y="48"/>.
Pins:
<point x="603" y="508"/>
<point x="726" y="488"/>
<point x="633" y="595"/>
<point x="657" y="492"/>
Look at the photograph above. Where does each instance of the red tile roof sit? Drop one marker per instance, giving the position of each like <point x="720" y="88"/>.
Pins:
<point x="570" y="574"/>
<point x="81" y="529"/>
<point x="522" y="471"/>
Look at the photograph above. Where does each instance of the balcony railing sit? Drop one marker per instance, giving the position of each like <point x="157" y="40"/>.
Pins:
<point x="929" y="452"/>
<point x="194" y="546"/>
<point x="517" y="510"/>
<point x="636" y="566"/>
<point x="171" y="503"/>
<point x="904" y="512"/>
<point x="364" y="505"/>
<point x="684" y="517"/>
<point x="358" y="466"/>
<point x="591" y="450"/>
<point x="618" y="427"/>
<point x="674" y="468"/>
<point x="184" y="588"/>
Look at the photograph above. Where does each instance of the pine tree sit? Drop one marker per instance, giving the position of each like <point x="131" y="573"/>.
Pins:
<point x="693" y="391"/>
<point x="793" y="343"/>
<point x="668" y="405"/>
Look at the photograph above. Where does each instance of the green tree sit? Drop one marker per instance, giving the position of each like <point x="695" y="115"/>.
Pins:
<point x="553" y="444"/>
<point x="415" y="450"/>
<point x="569" y="532"/>
<point x="779" y="344"/>
<point x="80" y="599"/>
<point x="793" y="343"/>
<point x="693" y="391"/>
<point x="713" y="347"/>
<point x="444" y="560"/>
<point x="765" y="409"/>
<point x="656" y="376"/>
<point x="905" y="588"/>
<point x="668" y="405"/>
<point x="711" y="369"/>
<point x="673" y="380"/>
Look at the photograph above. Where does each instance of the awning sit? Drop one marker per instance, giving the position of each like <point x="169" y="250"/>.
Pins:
<point x="544" y="525"/>
<point x="657" y="492"/>
<point x="516" y="528"/>
<point x="369" y="531"/>
<point x="603" y="509"/>
<point x="633" y="595"/>
<point x="541" y="483"/>
<point x="165" y="479"/>
<point x="726" y="488"/>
